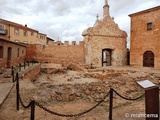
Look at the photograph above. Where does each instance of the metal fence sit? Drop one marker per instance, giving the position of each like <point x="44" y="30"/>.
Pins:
<point x="32" y="104"/>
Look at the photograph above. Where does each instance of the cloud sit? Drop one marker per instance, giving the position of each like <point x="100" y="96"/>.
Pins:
<point x="66" y="19"/>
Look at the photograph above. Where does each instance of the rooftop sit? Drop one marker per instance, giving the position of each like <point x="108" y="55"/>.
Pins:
<point x="145" y="11"/>
<point x="16" y="25"/>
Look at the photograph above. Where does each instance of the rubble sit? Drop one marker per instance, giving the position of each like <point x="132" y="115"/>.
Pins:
<point x="90" y="85"/>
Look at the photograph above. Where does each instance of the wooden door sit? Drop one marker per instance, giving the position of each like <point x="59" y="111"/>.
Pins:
<point x="148" y="59"/>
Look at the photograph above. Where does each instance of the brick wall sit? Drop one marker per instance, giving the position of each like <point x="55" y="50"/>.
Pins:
<point x="56" y="53"/>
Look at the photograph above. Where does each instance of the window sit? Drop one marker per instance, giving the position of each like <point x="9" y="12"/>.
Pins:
<point x="17" y="41"/>
<point x="22" y="51"/>
<point x="2" y="29"/>
<point x="149" y="26"/>
<point x="42" y="37"/>
<point x="26" y="42"/>
<point x="1" y="51"/>
<point x="25" y="33"/>
<point x="16" y="31"/>
<point x="32" y="33"/>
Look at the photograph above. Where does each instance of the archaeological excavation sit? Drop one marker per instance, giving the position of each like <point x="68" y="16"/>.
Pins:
<point x="98" y="78"/>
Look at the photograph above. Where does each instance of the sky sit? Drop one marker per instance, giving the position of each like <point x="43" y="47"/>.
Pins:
<point x="65" y="20"/>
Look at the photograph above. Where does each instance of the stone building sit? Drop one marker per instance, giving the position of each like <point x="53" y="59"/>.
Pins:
<point x="145" y="38"/>
<point x="19" y="33"/>
<point x="50" y="41"/>
<point x="105" y="42"/>
<point x="11" y="53"/>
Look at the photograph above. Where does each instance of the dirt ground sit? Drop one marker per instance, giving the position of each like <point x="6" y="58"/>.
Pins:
<point x="72" y="92"/>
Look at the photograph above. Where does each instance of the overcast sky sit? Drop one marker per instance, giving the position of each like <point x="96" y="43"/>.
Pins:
<point x="66" y="19"/>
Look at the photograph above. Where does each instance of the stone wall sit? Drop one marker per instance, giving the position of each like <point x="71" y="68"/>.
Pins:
<point x="143" y="40"/>
<point x="57" y="53"/>
<point x="32" y="72"/>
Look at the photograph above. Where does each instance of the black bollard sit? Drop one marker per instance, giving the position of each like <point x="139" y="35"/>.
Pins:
<point x="32" y="110"/>
<point x="17" y="88"/>
<point x="110" y="104"/>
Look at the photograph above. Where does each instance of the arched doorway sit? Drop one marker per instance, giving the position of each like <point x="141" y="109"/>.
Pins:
<point x="148" y="59"/>
<point x="106" y="57"/>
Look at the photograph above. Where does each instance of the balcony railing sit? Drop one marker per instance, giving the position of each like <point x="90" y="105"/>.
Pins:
<point x="3" y="31"/>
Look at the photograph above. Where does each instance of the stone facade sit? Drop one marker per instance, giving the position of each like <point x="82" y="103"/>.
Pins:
<point x="145" y="37"/>
<point x="11" y="53"/>
<point x="105" y="42"/>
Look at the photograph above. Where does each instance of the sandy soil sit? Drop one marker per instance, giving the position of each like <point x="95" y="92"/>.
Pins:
<point x="8" y="110"/>
<point x="121" y="111"/>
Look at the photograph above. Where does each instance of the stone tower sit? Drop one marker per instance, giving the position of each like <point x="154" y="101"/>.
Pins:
<point x="105" y="42"/>
<point x="106" y="9"/>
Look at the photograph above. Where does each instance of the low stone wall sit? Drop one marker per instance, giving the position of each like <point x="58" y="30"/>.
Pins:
<point x="32" y="72"/>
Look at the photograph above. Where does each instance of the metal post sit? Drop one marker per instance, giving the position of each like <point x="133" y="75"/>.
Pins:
<point x="11" y="70"/>
<point x="12" y="73"/>
<point x="32" y="110"/>
<point x="110" y="104"/>
<point x="20" y="67"/>
<point x="24" y="65"/>
<point x="17" y="88"/>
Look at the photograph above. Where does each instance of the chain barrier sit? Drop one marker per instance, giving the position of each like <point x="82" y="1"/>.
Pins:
<point x="72" y="115"/>
<point x="25" y="106"/>
<point x="33" y="103"/>
<point x="131" y="99"/>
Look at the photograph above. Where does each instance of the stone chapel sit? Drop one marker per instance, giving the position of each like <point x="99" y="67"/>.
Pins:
<point x="105" y="42"/>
